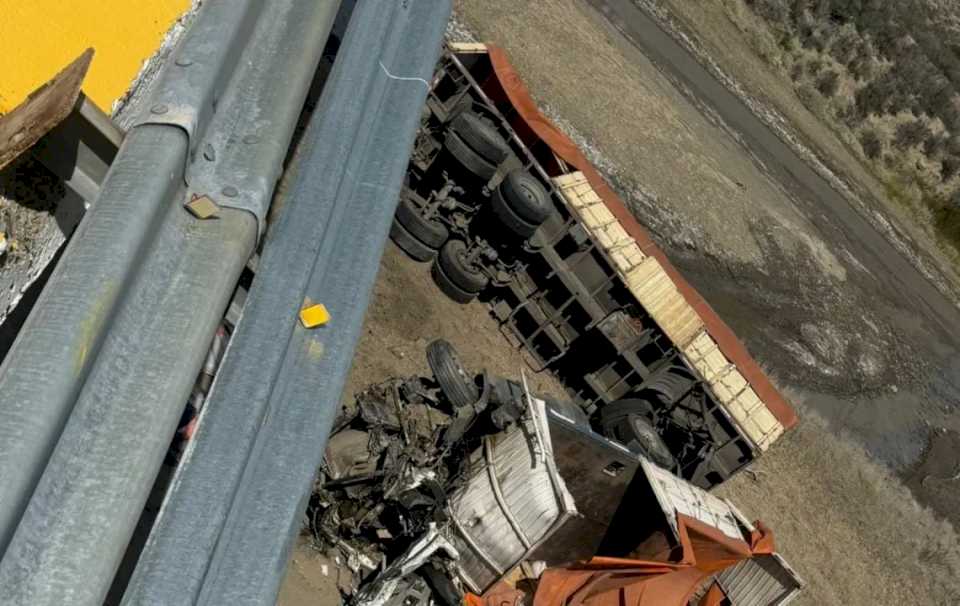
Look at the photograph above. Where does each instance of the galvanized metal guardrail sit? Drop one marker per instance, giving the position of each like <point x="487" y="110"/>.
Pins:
<point x="250" y="468"/>
<point x="92" y="389"/>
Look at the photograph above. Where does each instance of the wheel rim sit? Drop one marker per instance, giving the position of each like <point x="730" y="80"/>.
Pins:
<point x="529" y="194"/>
<point x="467" y="265"/>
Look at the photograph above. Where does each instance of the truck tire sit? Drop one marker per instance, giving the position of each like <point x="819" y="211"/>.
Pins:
<point x="481" y="135"/>
<point x="510" y="219"/>
<point x="636" y="433"/>
<point x="525" y="196"/>
<point x="614" y="412"/>
<point x="431" y="232"/>
<point x="451" y="261"/>
<point x="447" y="287"/>
<point x="471" y="160"/>
<point x="627" y="422"/>
<point x="415" y="249"/>
<point x="669" y="386"/>
<point x="455" y="382"/>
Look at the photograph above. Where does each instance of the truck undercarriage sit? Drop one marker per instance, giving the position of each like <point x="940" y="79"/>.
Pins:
<point x="483" y="208"/>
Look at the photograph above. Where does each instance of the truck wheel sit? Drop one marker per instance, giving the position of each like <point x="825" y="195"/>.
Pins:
<point x="447" y="287"/>
<point x="628" y="422"/>
<point x="510" y="219"/>
<point x="481" y="135"/>
<point x="614" y="412"/>
<point x="417" y="250"/>
<point x="471" y="160"/>
<point x="636" y="433"/>
<point x="454" y="381"/>
<point x="525" y="196"/>
<point x="452" y="261"/>
<point x="431" y="232"/>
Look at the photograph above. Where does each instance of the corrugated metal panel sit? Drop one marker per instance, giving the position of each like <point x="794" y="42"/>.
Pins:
<point x="676" y="495"/>
<point x="493" y="532"/>
<point x="760" y="581"/>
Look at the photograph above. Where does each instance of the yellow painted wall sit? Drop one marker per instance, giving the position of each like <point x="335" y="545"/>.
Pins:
<point x="38" y="38"/>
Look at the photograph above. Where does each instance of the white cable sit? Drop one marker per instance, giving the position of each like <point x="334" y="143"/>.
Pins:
<point x="392" y="77"/>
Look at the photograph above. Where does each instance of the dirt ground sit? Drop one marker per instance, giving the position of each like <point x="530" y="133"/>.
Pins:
<point x="862" y="367"/>
<point x="407" y="312"/>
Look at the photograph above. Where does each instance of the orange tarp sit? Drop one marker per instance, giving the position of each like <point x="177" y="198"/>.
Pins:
<point x="655" y="582"/>
<point x="536" y="126"/>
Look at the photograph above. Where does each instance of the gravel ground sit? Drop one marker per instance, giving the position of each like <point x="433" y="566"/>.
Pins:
<point x="36" y="213"/>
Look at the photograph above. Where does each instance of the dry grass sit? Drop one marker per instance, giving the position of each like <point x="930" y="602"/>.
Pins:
<point x="742" y="44"/>
<point x="853" y="531"/>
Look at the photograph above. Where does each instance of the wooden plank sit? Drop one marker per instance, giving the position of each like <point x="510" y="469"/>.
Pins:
<point x="45" y="108"/>
<point x="467" y="48"/>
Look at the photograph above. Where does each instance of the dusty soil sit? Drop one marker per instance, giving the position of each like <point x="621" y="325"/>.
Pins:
<point x="863" y="365"/>
<point x="407" y="312"/>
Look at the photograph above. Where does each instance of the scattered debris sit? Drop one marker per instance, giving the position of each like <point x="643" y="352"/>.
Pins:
<point x="408" y="474"/>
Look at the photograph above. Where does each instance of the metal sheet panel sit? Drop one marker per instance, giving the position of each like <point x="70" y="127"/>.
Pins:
<point x="765" y="580"/>
<point x="676" y="495"/>
<point x="233" y="513"/>
<point x="513" y="500"/>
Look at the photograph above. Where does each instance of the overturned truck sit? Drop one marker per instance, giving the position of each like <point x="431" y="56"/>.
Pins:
<point x="508" y="210"/>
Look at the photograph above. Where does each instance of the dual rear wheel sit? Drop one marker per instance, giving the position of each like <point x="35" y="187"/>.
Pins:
<point x="520" y="204"/>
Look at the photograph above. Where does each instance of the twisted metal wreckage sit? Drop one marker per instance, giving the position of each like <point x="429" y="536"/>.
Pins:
<point x="433" y="488"/>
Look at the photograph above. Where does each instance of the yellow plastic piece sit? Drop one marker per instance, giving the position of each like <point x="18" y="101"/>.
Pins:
<point x="202" y="207"/>
<point x="314" y="315"/>
<point x="40" y="37"/>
